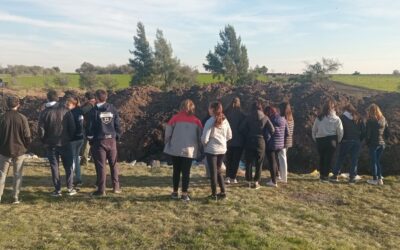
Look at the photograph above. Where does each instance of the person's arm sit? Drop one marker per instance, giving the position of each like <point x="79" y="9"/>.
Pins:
<point x="315" y="129"/>
<point x="205" y="137"/>
<point x="117" y="124"/>
<point x="362" y="130"/>
<point x="41" y="126"/>
<point x="26" y="132"/>
<point x="368" y="132"/>
<point x="90" y="125"/>
<point x="270" y="127"/>
<point x="70" y="123"/>
<point x="339" y="130"/>
<point x="228" y="131"/>
<point x="386" y="132"/>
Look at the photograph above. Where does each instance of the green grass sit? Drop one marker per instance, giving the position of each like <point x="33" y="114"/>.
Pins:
<point x="378" y="82"/>
<point x="38" y="82"/>
<point x="303" y="214"/>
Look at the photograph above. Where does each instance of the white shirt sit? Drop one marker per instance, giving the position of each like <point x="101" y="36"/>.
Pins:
<point x="328" y="126"/>
<point x="214" y="138"/>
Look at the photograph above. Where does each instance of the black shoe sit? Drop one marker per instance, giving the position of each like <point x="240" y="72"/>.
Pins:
<point x="185" y="198"/>
<point x="175" y="196"/>
<point x="334" y="178"/>
<point x="98" y="194"/>
<point x="324" y="179"/>
<point x="78" y="184"/>
<point x="352" y="181"/>
<point x="213" y="197"/>
<point x="221" y="196"/>
<point x="56" y="193"/>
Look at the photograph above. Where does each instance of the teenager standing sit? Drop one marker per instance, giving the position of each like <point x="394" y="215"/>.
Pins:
<point x="72" y="103"/>
<point x="353" y="133"/>
<point x="286" y="112"/>
<point x="103" y="132"/>
<point x="183" y="144"/>
<point x="275" y="142"/>
<point x="377" y="132"/>
<point x="56" y="130"/>
<point x="217" y="132"/>
<point x="254" y="128"/>
<point x="327" y="131"/>
<point x="86" y="108"/>
<point x="15" y="137"/>
<point x="235" y="117"/>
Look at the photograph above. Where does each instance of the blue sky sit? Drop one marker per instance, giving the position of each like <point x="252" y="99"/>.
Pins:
<point x="363" y="34"/>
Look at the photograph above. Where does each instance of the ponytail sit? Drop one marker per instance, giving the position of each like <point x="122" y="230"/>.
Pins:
<point x="218" y="113"/>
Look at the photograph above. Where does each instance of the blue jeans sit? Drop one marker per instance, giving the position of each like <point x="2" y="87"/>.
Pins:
<point x="375" y="152"/>
<point x="351" y="147"/>
<point x="54" y="153"/>
<point x="76" y="150"/>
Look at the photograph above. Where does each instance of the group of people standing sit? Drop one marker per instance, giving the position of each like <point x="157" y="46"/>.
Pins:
<point x="65" y="128"/>
<point x="224" y="136"/>
<point x="266" y="133"/>
<point x="349" y="131"/>
<point x="68" y="129"/>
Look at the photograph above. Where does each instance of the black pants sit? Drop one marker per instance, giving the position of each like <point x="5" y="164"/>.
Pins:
<point x="181" y="165"/>
<point x="214" y="164"/>
<point x="273" y="160"/>
<point x="326" y="149"/>
<point x="233" y="156"/>
<point x="54" y="153"/>
<point x="255" y="156"/>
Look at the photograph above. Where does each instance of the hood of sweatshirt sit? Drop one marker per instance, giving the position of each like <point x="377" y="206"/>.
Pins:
<point x="348" y="115"/>
<point x="50" y="104"/>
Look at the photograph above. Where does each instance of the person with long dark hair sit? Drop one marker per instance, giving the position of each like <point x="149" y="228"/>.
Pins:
<point x="235" y="117"/>
<point x="377" y="132"/>
<point x="286" y="112"/>
<point x="217" y="132"/>
<point x="353" y="133"/>
<point x="327" y="131"/>
<point x="275" y="142"/>
<point x="253" y="128"/>
<point x="183" y="144"/>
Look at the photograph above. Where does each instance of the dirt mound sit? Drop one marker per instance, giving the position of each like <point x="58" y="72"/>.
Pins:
<point x="145" y="110"/>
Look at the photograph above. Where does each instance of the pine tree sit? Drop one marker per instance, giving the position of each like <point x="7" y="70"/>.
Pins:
<point x="166" y="66"/>
<point x="229" y="58"/>
<point x="143" y="61"/>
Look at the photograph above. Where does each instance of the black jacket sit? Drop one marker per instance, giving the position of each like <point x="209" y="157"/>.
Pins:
<point x="103" y="123"/>
<point x="352" y="130"/>
<point x="15" y="134"/>
<point x="377" y="132"/>
<point x="254" y="128"/>
<point x="56" y="125"/>
<point x="235" y="117"/>
<point x="78" y="118"/>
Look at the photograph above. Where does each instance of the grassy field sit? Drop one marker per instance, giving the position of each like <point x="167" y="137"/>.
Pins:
<point x="378" y="82"/>
<point x="303" y="214"/>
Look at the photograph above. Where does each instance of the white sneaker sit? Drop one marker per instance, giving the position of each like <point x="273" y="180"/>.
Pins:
<point x="234" y="181"/>
<point x="358" y="178"/>
<point x="72" y="192"/>
<point x="372" y="182"/>
<point x="271" y="184"/>
<point x="16" y="201"/>
<point x="228" y="180"/>
<point x="380" y="182"/>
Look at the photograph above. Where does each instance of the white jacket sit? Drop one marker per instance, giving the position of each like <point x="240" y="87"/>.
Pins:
<point x="328" y="126"/>
<point x="214" y="138"/>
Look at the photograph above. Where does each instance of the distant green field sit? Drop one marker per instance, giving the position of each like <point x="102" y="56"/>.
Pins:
<point x="29" y="81"/>
<point x="378" y="82"/>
